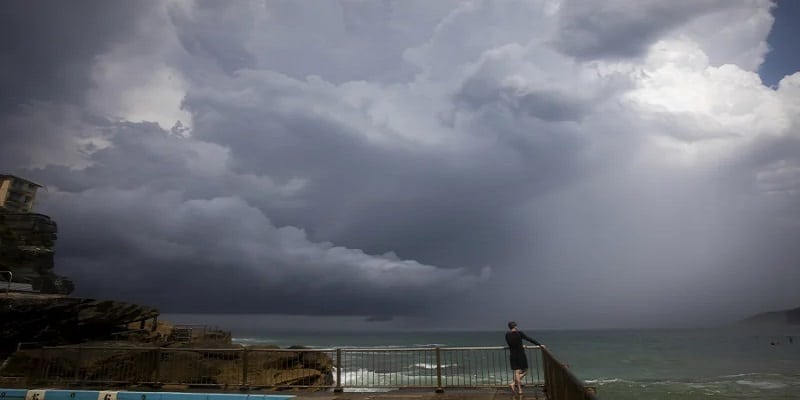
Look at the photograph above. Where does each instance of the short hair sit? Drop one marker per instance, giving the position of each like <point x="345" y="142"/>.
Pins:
<point x="512" y="324"/>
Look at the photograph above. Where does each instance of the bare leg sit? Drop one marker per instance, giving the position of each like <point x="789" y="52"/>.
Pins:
<point x="514" y="382"/>
<point x="521" y="375"/>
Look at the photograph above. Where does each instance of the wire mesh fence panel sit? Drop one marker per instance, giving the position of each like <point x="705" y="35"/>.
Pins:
<point x="388" y="368"/>
<point x="58" y="365"/>
<point x="469" y="367"/>
<point x="110" y="365"/>
<point x="283" y="368"/>
<point x="485" y="367"/>
<point x="535" y="374"/>
<point x="200" y="366"/>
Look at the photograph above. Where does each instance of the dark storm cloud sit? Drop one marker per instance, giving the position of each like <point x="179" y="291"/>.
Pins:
<point x="201" y="37"/>
<point x="411" y="201"/>
<point x="488" y="159"/>
<point x="267" y="36"/>
<point x="169" y="239"/>
<point x="589" y="30"/>
<point x="547" y="105"/>
<point x="49" y="46"/>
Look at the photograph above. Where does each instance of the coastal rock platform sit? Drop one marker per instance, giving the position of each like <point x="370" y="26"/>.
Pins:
<point x="58" y="319"/>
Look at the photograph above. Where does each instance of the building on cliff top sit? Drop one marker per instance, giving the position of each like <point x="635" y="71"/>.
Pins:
<point x="17" y="194"/>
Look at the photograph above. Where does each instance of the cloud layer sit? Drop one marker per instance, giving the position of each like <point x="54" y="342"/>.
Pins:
<point x="576" y="163"/>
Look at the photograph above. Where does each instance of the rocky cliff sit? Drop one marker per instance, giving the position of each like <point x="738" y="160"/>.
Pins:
<point x="27" y="243"/>
<point x="774" y="318"/>
<point x="58" y="319"/>
<point x="77" y="332"/>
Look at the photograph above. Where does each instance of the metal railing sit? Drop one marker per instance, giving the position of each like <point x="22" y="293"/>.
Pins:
<point x="338" y="369"/>
<point x="561" y="383"/>
<point x="430" y="367"/>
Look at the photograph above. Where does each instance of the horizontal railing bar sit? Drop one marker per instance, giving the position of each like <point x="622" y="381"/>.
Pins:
<point x="395" y="349"/>
<point x="347" y="349"/>
<point x="126" y="348"/>
<point x="287" y="350"/>
<point x="238" y="349"/>
<point x="148" y="348"/>
<point x="484" y="348"/>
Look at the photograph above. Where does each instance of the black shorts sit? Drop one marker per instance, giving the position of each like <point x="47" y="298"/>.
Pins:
<point x="519" y="361"/>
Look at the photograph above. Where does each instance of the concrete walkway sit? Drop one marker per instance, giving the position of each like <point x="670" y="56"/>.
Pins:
<point x="531" y="393"/>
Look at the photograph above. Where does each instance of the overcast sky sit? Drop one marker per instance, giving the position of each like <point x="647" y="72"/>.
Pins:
<point x="568" y="164"/>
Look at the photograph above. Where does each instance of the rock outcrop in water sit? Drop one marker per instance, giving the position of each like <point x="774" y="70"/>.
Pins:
<point x="774" y="318"/>
<point x="27" y="243"/>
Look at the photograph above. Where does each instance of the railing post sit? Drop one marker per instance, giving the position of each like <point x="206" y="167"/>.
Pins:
<point x="10" y="278"/>
<point x="41" y="370"/>
<point x="78" y="360"/>
<point x="536" y="355"/>
<point x="338" y="388"/>
<point x="547" y="377"/>
<point x="244" y="367"/>
<point x="439" y="388"/>
<point x="157" y="367"/>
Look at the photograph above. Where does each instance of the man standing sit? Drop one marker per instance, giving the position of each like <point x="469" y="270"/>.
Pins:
<point x="519" y="362"/>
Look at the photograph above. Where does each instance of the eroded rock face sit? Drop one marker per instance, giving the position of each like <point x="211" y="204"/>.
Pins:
<point x="103" y="362"/>
<point x="27" y="242"/>
<point x="58" y="319"/>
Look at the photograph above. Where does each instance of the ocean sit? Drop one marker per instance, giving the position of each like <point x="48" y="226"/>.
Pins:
<point x="621" y="364"/>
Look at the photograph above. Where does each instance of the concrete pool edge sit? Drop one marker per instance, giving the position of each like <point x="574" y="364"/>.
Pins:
<point x="62" y="394"/>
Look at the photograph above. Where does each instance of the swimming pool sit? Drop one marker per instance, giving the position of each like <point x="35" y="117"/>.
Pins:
<point x="47" y="394"/>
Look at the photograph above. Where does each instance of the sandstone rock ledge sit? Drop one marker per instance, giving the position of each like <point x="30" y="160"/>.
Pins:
<point x="72" y="346"/>
<point x="114" y="364"/>
<point x="59" y="319"/>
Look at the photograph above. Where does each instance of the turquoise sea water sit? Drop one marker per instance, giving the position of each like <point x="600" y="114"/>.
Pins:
<point x="623" y="364"/>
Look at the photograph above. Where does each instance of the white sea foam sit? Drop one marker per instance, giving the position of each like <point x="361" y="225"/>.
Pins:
<point x="749" y="374"/>
<point x="740" y="375"/>
<point x="433" y="366"/>
<point x="248" y="340"/>
<point x="603" y="381"/>
<point x="716" y="386"/>
<point x="762" y="384"/>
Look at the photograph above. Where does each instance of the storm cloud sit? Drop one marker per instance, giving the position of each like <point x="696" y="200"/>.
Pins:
<point x="566" y="163"/>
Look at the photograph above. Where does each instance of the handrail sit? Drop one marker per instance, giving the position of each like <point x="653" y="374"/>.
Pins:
<point x="10" y="278"/>
<point x="390" y="349"/>
<point x="561" y="383"/>
<point x="307" y="349"/>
